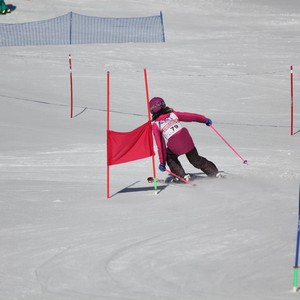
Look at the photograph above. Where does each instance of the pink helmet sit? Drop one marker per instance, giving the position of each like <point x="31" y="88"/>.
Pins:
<point x="156" y="104"/>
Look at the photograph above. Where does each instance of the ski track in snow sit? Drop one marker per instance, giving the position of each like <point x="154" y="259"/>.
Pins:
<point x="177" y="260"/>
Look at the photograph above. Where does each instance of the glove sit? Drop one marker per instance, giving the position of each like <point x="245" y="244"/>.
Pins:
<point x="208" y="122"/>
<point x="162" y="167"/>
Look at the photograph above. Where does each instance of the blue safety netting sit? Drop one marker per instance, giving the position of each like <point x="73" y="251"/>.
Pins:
<point x="74" y="28"/>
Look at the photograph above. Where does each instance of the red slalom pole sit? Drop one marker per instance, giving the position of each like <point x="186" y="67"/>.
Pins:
<point x="107" y="130"/>
<point x="182" y="179"/>
<point x="219" y="134"/>
<point x="292" y="101"/>
<point x="71" y="86"/>
<point x="149" y="119"/>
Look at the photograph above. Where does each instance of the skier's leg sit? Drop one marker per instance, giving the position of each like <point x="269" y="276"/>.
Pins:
<point x="200" y="162"/>
<point x="174" y="164"/>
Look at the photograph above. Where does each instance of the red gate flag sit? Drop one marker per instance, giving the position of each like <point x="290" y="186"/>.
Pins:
<point x="128" y="146"/>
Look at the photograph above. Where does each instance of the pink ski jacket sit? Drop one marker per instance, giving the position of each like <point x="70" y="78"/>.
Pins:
<point x="169" y="133"/>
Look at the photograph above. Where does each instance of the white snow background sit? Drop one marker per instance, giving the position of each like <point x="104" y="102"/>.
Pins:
<point x="224" y="239"/>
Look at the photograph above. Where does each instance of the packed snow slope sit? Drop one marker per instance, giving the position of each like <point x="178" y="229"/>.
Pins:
<point x="223" y="239"/>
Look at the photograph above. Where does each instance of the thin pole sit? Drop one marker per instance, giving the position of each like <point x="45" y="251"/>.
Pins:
<point x="296" y="266"/>
<point x="219" y="134"/>
<point x="149" y="119"/>
<point x="107" y="130"/>
<point x="162" y="25"/>
<point x="292" y="101"/>
<point x="182" y="179"/>
<point x="71" y="86"/>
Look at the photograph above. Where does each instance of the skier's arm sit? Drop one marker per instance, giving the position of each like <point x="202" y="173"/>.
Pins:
<point x="160" y="143"/>
<point x="190" y="117"/>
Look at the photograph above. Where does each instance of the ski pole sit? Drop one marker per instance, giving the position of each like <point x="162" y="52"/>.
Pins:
<point x="219" y="134"/>
<point x="182" y="179"/>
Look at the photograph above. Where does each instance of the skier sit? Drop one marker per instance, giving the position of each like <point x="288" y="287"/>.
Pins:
<point x="173" y="140"/>
<point x="3" y="8"/>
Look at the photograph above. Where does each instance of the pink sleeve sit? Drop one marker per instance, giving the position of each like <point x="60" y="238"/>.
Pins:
<point x="160" y="143"/>
<point x="190" y="117"/>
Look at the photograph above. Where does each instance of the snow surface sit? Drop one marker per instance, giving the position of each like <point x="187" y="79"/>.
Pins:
<point x="228" y="239"/>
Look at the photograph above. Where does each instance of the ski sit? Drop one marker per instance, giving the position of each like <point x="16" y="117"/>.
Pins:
<point x="169" y="180"/>
<point x="194" y="177"/>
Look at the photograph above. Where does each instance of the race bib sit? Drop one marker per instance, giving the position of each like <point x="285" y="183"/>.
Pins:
<point x="169" y="126"/>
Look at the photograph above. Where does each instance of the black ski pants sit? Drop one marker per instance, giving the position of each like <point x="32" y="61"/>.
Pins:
<point x="199" y="162"/>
